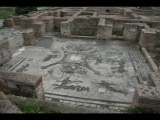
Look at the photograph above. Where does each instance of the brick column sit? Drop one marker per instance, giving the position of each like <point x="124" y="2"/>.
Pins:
<point x="48" y="21"/>
<point x="28" y="37"/>
<point x="39" y="29"/>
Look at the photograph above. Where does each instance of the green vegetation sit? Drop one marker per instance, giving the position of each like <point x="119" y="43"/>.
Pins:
<point x="118" y="32"/>
<point x="6" y="13"/>
<point x="47" y="8"/>
<point x="24" y="10"/>
<point x="138" y="110"/>
<point x="32" y="107"/>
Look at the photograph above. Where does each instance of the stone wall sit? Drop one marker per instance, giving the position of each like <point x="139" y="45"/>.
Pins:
<point x="104" y="31"/>
<point x="148" y="38"/>
<point x="57" y="23"/>
<point x="147" y="97"/>
<point x="149" y="60"/>
<point x="6" y="106"/>
<point x="22" y="84"/>
<point x="5" y="54"/>
<point x="132" y="31"/>
<point x="39" y="29"/>
<point x="9" y="22"/>
<point x="28" y="37"/>
<point x="83" y="26"/>
<point x="48" y="21"/>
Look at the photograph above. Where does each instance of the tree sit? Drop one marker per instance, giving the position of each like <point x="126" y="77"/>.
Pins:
<point x="24" y="10"/>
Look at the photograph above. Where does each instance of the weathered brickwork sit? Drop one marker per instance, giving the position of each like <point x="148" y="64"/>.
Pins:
<point x="29" y="38"/>
<point x="22" y="84"/>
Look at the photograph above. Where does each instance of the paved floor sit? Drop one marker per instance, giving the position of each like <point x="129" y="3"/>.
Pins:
<point x="84" y="72"/>
<point x="13" y="36"/>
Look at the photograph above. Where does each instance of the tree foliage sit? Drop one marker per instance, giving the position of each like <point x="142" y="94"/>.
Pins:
<point x="24" y="10"/>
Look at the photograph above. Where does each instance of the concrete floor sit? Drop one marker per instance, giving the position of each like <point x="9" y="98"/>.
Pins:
<point x="87" y="71"/>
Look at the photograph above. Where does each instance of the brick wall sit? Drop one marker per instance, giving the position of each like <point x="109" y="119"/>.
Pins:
<point x="22" y="84"/>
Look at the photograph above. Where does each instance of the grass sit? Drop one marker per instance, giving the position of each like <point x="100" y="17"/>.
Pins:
<point x="6" y="13"/>
<point x="31" y="107"/>
<point x="47" y="8"/>
<point x="138" y="110"/>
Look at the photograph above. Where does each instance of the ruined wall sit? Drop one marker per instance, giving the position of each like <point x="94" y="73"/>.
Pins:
<point x="147" y="97"/>
<point x="84" y="26"/>
<point x="148" y="38"/>
<point x="22" y="84"/>
<point x="28" y="37"/>
<point x="5" y="54"/>
<point x="39" y="29"/>
<point x="57" y="23"/>
<point x="48" y="21"/>
<point x="132" y="31"/>
<point x="9" y="22"/>
<point x="104" y="31"/>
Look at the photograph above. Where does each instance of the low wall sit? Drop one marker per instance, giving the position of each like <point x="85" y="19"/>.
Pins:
<point x="83" y="26"/>
<point x="22" y="84"/>
<point x="147" y="97"/>
<point x="149" y="60"/>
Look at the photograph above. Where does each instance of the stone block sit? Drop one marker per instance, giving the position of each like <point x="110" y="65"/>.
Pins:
<point x="9" y="22"/>
<point x="48" y="21"/>
<point x="148" y="38"/>
<point x="39" y="29"/>
<point x="6" y="106"/>
<point x="5" y="53"/>
<point x="22" y="84"/>
<point x="28" y="37"/>
<point x="149" y="60"/>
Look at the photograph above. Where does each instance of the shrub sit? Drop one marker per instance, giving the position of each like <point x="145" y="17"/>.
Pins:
<point x="24" y="10"/>
<point x="139" y="110"/>
<point x="33" y="107"/>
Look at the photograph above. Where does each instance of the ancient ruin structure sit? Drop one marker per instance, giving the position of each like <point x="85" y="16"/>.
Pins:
<point x="89" y="56"/>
